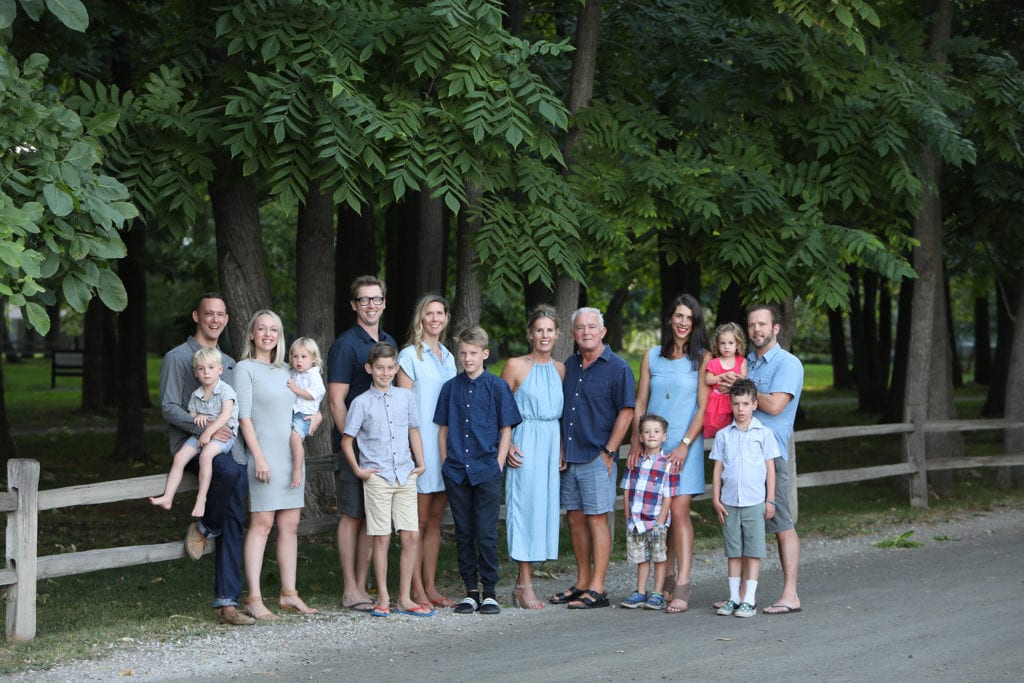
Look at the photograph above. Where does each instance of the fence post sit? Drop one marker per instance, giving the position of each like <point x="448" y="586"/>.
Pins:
<point x="22" y="530"/>
<point x="794" y="502"/>
<point x="914" y="452"/>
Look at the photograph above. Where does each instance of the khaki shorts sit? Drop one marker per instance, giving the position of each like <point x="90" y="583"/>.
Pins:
<point x="648" y="545"/>
<point x="386" y="503"/>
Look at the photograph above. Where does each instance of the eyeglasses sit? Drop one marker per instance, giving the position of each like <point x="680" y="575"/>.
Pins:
<point x="367" y="300"/>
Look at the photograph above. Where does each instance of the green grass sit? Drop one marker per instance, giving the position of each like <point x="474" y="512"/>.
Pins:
<point x="79" y="616"/>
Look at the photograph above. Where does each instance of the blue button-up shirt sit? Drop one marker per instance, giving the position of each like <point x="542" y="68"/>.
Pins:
<point x="380" y="422"/>
<point x="475" y="411"/>
<point x="593" y="398"/>
<point x="744" y="455"/>
<point x="778" y="371"/>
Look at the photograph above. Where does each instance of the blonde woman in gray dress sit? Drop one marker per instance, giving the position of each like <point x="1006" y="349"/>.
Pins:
<point x="265" y="418"/>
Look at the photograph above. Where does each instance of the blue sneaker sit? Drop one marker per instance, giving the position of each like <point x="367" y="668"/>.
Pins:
<point x="637" y="599"/>
<point x="656" y="601"/>
<point x="745" y="610"/>
<point x="728" y="609"/>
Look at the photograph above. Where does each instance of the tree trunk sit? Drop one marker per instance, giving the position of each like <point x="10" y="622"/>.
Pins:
<point x="837" y="350"/>
<point x="242" y="263"/>
<point x="99" y="377"/>
<point x="929" y="394"/>
<point x="355" y="255"/>
<point x="402" y="229"/>
<point x="1013" y="439"/>
<point x="1005" y="295"/>
<point x="730" y="307"/>
<point x="681" y="277"/>
<point x="468" y="296"/>
<point x="314" y="294"/>
<point x="514" y="16"/>
<point x="885" y="335"/>
<point x="982" y="342"/>
<point x="431" y="264"/>
<point x="957" y="367"/>
<point x="581" y="91"/>
<point x="898" y="383"/>
<point x="7" y="450"/>
<point x="613" y="318"/>
<point x="132" y="386"/>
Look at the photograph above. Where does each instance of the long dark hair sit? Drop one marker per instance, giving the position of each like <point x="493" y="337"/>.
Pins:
<point x="697" y="344"/>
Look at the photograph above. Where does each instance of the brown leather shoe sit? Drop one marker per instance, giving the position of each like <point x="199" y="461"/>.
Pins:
<point x="235" y="617"/>
<point x="195" y="542"/>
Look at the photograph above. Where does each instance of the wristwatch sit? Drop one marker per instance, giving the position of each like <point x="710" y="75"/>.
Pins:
<point x="610" y="453"/>
<point x="687" y="440"/>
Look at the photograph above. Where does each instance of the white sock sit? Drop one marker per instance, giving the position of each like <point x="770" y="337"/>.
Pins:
<point x="734" y="589"/>
<point x="750" y="595"/>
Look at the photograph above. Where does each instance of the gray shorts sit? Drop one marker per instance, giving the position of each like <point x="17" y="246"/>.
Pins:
<point x="349" y="490"/>
<point x="783" y="519"/>
<point x="589" y="487"/>
<point x="647" y="545"/>
<point x="744" y="531"/>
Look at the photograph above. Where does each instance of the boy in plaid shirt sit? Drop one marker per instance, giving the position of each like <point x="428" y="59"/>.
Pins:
<point x="647" y="502"/>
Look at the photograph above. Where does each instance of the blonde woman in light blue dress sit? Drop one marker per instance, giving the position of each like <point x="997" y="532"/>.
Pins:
<point x="532" y="519"/>
<point x="424" y="366"/>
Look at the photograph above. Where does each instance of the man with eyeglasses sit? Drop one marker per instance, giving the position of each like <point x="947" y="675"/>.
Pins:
<point x="346" y="379"/>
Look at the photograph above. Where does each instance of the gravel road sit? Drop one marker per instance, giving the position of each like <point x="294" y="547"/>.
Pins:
<point x="945" y="611"/>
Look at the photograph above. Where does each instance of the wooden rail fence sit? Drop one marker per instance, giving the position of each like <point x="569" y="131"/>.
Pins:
<point x="23" y="501"/>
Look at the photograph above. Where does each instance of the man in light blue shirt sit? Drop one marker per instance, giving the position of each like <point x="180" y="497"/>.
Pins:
<point x="779" y="377"/>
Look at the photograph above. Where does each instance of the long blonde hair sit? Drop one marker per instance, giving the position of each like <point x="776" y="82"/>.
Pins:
<point x="415" y="335"/>
<point x="250" y="346"/>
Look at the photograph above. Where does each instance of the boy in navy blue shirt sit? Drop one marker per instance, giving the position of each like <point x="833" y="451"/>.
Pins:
<point x="481" y="412"/>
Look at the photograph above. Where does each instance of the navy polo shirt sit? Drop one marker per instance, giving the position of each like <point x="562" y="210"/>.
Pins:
<point x="592" y="400"/>
<point x="346" y="364"/>
<point x="475" y="411"/>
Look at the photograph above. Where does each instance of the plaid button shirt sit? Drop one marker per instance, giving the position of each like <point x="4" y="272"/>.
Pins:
<point x="649" y="483"/>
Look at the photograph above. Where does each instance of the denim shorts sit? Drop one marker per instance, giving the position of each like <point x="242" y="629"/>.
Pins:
<point x="300" y="425"/>
<point x="588" y="486"/>
<point x="225" y="446"/>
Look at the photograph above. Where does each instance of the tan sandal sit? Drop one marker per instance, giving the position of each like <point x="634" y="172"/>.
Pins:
<point x="519" y="601"/>
<point x="681" y="595"/>
<point x="290" y="601"/>
<point x="255" y="608"/>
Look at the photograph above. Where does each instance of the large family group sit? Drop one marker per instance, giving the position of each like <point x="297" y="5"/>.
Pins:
<point x="414" y="436"/>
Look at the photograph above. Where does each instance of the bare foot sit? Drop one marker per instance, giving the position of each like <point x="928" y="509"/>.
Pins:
<point x="437" y="600"/>
<point x="292" y="601"/>
<point x="162" y="501"/>
<point x="200" y="508"/>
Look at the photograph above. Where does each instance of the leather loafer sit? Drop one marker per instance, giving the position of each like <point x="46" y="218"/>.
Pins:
<point x="195" y="542"/>
<point x="236" y="618"/>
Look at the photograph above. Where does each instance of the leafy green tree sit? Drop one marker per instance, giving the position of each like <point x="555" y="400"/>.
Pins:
<point x="59" y="212"/>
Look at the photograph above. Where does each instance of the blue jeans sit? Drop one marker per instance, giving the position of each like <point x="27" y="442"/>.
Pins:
<point x="475" y="512"/>
<point x="224" y="519"/>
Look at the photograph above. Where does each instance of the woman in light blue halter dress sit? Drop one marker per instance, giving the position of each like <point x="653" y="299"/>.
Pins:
<point x="531" y="474"/>
<point x="672" y="385"/>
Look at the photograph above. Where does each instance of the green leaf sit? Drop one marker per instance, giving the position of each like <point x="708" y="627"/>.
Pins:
<point x="83" y="155"/>
<point x="8" y="10"/>
<point x="59" y="201"/>
<point x="10" y="253"/>
<point x="76" y="293"/>
<point x="71" y="13"/>
<point x="102" y="124"/>
<point x="37" y="318"/>
<point x="111" y="290"/>
<point x="33" y="8"/>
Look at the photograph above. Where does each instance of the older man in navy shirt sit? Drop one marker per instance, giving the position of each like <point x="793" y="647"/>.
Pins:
<point x="599" y="395"/>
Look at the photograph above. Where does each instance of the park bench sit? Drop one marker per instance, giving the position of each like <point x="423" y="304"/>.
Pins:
<point x="65" y="364"/>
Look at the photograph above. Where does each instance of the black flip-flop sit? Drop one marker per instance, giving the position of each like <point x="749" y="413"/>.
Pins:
<point x="783" y="610"/>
